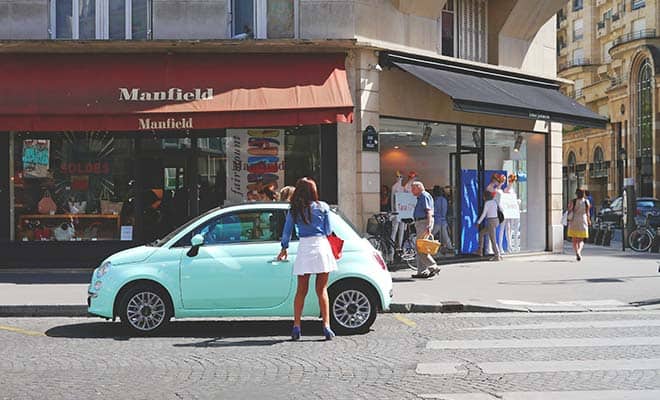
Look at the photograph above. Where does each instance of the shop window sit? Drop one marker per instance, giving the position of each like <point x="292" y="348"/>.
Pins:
<point x="100" y="19"/>
<point x="264" y="19"/>
<point x="72" y="187"/>
<point x="644" y="137"/>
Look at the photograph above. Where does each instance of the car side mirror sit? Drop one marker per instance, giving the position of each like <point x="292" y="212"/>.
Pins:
<point x="195" y="242"/>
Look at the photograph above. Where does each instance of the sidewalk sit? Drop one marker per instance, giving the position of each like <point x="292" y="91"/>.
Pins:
<point x="606" y="279"/>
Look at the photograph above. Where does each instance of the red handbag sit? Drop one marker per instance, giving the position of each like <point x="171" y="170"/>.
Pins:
<point x="336" y="244"/>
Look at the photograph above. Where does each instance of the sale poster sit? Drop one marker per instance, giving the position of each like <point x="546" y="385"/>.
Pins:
<point x="255" y="164"/>
<point x="36" y="158"/>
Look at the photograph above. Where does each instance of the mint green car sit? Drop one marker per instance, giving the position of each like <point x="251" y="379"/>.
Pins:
<point x="223" y="264"/>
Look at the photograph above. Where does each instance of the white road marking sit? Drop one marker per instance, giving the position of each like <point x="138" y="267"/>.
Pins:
<point x="536" y="343"/>
<point x="637" y="323"/>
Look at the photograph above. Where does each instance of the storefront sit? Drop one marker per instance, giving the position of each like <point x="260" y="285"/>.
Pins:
<point x="108" y="151"/>
<point x="457" y="126"/>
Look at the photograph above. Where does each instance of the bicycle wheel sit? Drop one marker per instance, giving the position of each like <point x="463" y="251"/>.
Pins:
<point x="640" y="240"/>
<point x="377" y="243"/>
<point x="409" y="251"/>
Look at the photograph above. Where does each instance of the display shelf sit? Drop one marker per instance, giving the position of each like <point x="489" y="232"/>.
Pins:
<point x="82" y="223"/>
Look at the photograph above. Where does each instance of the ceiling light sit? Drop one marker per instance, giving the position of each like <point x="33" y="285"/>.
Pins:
<point x="396" y="147"/>
<point x="426" y="135"/>
<point x="518" y="142"/>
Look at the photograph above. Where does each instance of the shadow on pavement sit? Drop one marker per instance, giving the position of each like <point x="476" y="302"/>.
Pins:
<point x="618" y="279"/>
<point x="263" y="331"/>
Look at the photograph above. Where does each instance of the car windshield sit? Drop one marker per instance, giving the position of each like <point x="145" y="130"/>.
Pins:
<point x="648" y="203"/>
<point x="169" y="236"/>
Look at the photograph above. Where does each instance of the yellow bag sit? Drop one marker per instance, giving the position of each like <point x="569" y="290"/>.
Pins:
<point x="428" y="246"/>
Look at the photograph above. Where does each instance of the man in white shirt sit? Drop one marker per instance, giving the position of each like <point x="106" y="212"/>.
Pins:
<point x="492" y="221"/>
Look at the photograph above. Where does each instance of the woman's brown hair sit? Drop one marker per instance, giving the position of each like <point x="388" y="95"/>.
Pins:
<point x="302" y="199"/>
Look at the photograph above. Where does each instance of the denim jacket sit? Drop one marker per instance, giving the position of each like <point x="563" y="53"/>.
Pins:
<point x="319" y="224"/>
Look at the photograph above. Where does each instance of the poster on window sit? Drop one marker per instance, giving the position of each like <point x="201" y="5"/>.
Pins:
<point x="255" y="164"/>
<point x="404" y="204"/>
<point x="36" y="158"/>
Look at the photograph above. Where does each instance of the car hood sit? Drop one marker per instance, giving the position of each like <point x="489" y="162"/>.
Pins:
<point x="136" y="254"/>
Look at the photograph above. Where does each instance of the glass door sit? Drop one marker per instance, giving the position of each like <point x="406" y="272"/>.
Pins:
<point x="467" y="171"/>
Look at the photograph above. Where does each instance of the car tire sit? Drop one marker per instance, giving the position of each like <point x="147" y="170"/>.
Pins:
<point x="353" y="307"/>
<point x="145" y="309"/>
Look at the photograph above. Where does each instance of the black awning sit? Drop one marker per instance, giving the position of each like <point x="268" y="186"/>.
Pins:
<point x="485" y="91"/>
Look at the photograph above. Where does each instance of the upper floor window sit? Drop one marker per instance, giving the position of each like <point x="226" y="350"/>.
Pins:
<point x="578" y="56"/>
<point x="644" y="138"/>
<point x="606" y="52"/>
<point x="471" y="28"/>
<point x="448" y="27"/>
<point x="264" y="19"/>
<point x="578" y="29"/>
<point x="100" y="19"/>
<point x="577" y="5"/>
<point x="638" y="4"/>
<point x="638" y="25"/>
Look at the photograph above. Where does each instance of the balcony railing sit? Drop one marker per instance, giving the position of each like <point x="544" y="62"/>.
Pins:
<point x="617" y="81"/>
<point x="629" y="37"/>
<point x="575" y="63"/>
<point x="599" y="169"/>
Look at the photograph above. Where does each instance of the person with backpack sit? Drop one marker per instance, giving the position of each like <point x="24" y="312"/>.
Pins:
<point x="579" y="221"/>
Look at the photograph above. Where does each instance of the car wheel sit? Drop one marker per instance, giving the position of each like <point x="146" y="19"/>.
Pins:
<point x="353" y="307"/>
<point x="145" y="309"/>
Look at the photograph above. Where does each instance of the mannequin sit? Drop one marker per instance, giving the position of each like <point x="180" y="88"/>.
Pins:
<point x="398" y="226"/>
<point x="412" y="177"/>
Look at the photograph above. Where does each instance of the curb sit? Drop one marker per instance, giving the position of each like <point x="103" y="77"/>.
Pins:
<point x="445" y="307"/>
<point x="58" y="310"/>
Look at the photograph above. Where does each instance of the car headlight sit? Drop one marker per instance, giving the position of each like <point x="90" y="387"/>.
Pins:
<point x="103" y="269"/>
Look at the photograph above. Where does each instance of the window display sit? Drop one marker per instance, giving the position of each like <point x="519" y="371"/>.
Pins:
<point x="71" y="186"/>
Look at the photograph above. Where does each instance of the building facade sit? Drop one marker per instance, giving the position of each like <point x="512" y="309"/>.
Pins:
<point x="611" y="51"/>
<point x="124" y="119"/>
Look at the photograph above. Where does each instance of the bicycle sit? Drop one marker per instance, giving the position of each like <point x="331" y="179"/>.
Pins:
<point x="381" y="239"/>
<point x="642" y="237"/>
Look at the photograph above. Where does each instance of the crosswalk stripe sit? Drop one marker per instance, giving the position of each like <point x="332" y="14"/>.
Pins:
<point x="519" y="367"/>
<point x="524" y="343"/>
<point x="576" y="324"/>
<point x="567" y="395"/>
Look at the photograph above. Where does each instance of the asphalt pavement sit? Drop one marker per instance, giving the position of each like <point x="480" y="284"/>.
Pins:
<point x="606" y="279"/>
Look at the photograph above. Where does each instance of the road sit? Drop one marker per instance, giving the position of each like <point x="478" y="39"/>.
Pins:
<point x="511" y="356"/>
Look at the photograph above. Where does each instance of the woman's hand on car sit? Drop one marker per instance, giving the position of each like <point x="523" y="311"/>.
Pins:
<point x="283" y="255"/>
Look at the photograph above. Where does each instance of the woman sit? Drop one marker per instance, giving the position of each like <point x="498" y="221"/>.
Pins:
<point x="385" y="199"/>
<point x="286" y="192"/>
<point x="579" y="221"/>
<point x="311" y="217"/>
<point x="492" y="221"/>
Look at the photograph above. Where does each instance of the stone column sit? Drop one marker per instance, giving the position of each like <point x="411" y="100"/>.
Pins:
<point x="554" y="200"/>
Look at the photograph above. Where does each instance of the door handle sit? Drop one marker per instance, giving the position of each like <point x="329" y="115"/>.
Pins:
<point x="276" y="261"/>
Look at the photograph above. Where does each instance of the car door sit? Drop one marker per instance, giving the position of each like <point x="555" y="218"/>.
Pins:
<point x="236" y="266"/>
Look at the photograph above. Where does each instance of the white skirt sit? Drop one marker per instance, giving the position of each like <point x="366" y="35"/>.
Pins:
<point x="314" y="256"/>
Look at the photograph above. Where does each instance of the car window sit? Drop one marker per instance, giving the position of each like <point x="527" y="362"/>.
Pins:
<point x="240" y="227"/>
<point x="616" y="204"/>
<point x="648" y="203"/>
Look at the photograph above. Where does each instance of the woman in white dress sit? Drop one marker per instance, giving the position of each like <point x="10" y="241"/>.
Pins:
<point x="311" y="218"/>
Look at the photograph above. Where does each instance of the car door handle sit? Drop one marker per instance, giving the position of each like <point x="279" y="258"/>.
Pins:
<point x="276" y="261"/>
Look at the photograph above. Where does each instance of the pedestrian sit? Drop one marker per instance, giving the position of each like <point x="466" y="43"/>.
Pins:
<point x="286" y="192"/>
<point x="590" y="198"/>
<point x="423" y="215"/>
<point x="492" y="221"/>
<point x="385" y="199"/>
<point x="440" y="224"/>
<point x="311" y="218"/>
<point x="578" y="221"/>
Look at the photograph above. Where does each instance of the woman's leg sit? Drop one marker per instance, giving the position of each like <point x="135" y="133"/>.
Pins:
<point x="575" y="245"/>
<point x="580" y="246"/>
<point x="299" y="301"/>
<point x="322" y="294"/>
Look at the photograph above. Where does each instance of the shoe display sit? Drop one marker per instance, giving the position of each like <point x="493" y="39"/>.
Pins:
<point x="328" y="333"/>
<point x="295" y="333"/>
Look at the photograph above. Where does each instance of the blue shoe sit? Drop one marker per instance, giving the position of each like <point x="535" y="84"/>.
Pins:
<point x="295" y="333"/>
<point x="328" y="333"/>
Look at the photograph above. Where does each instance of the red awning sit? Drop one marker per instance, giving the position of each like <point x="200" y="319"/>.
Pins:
<point x="50" y="92"/>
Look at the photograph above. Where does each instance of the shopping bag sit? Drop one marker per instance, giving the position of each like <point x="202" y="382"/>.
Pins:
<point x="428" y="246"/>
<point x="336" y="244"/>
<point x="564" y="218"/>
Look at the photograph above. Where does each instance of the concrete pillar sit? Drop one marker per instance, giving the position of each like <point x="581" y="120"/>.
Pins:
<point x="554" y="200"/>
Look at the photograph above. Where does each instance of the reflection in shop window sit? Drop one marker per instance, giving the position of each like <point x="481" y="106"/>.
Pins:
<point x="72" y="186"/>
